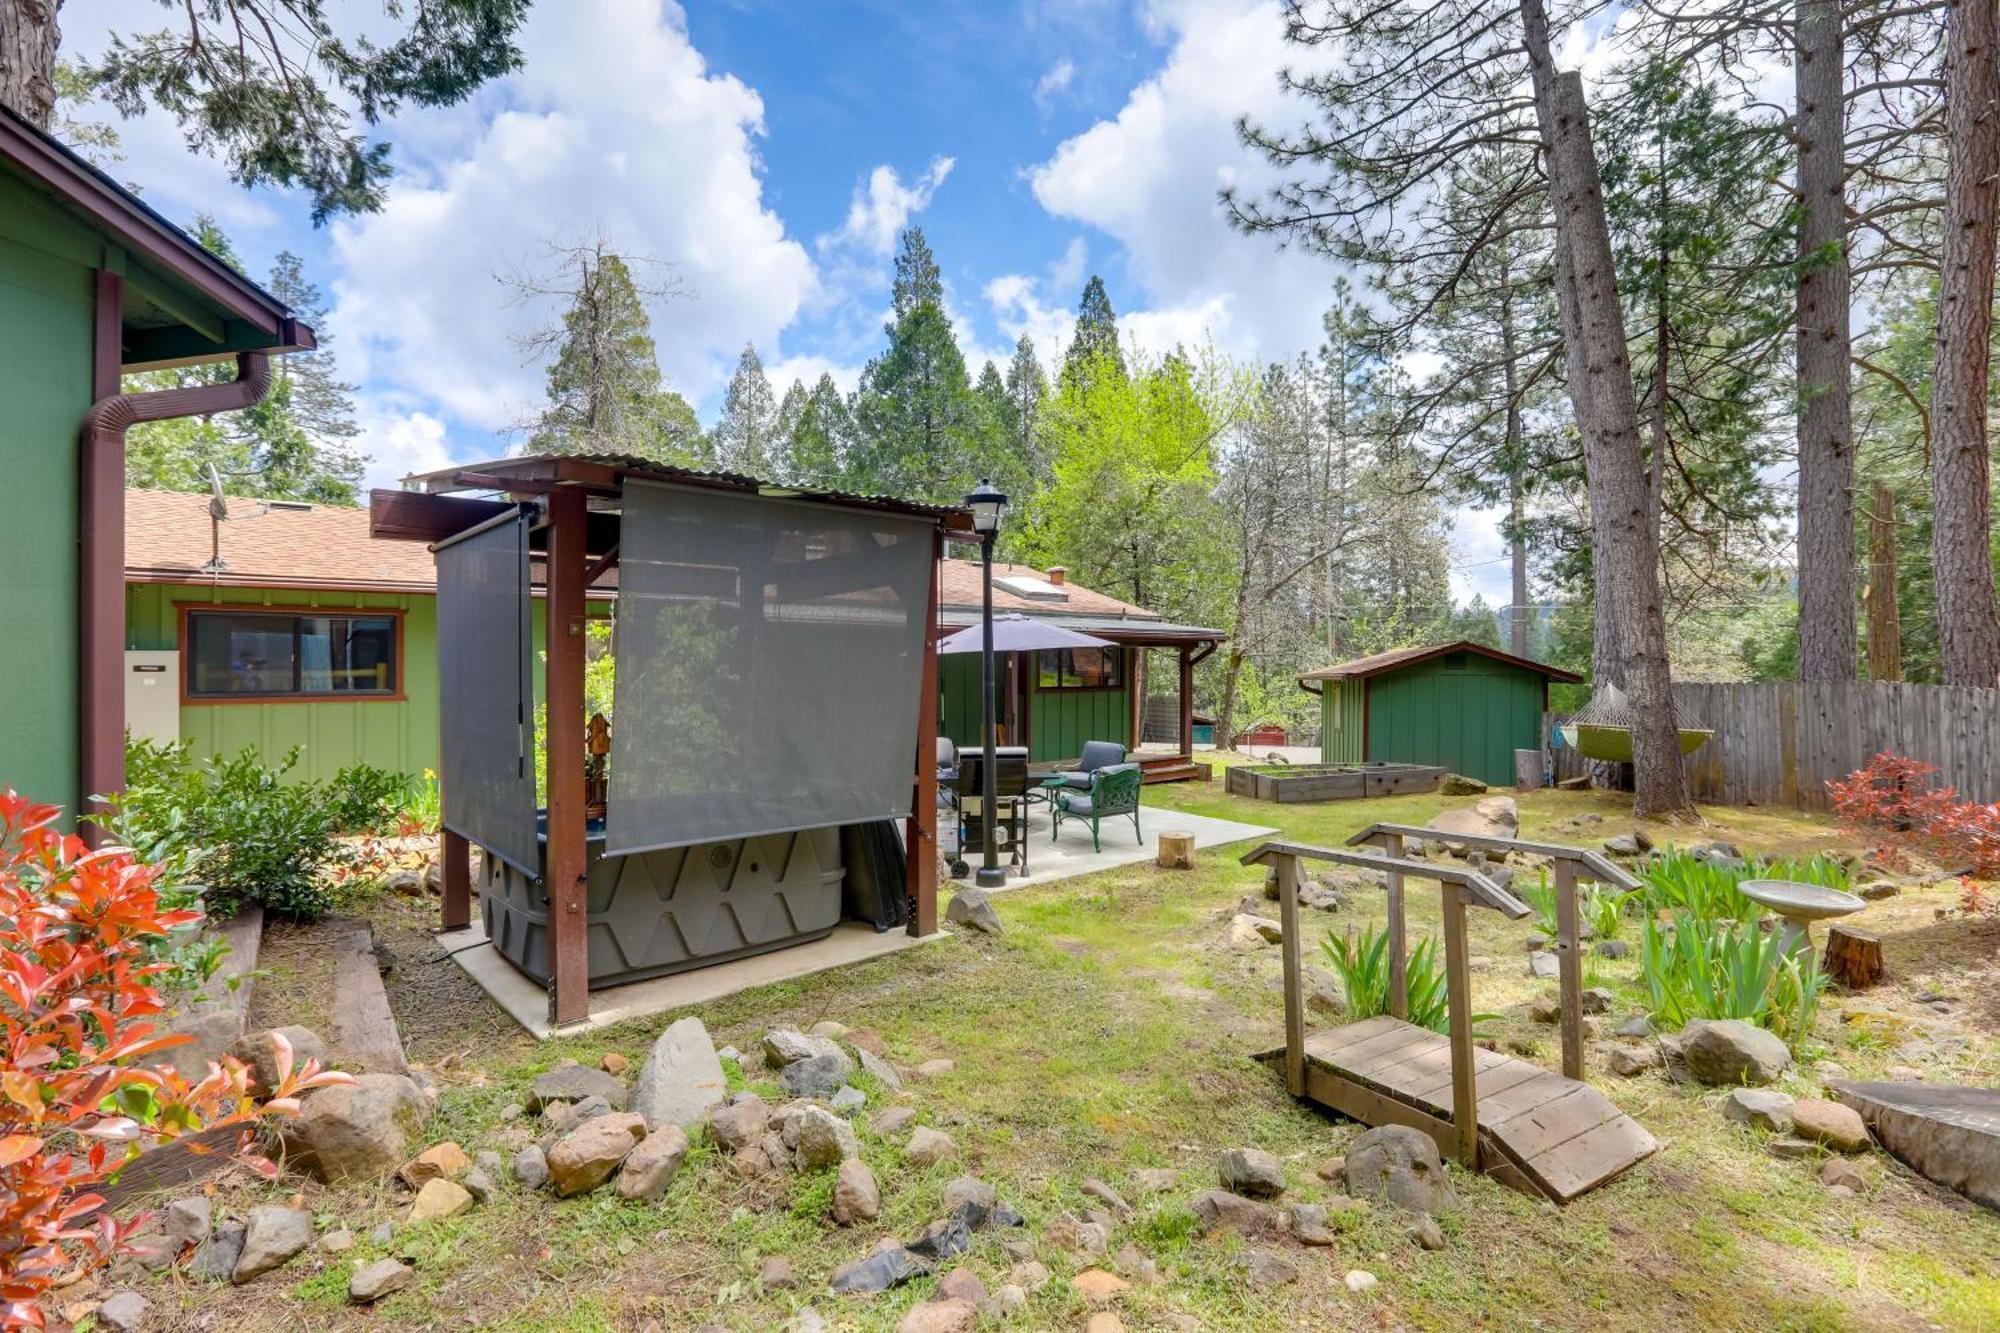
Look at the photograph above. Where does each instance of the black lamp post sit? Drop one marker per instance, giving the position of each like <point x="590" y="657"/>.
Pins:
<point x="988" y="506"/>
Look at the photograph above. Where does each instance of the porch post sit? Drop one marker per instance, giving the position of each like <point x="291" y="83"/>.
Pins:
<point x="920" y="855"/>
<point x="101" y="581"/>
<point x="569" y="960"/>
<point x="455" y="856"/>
<point x="1187" y="700"/>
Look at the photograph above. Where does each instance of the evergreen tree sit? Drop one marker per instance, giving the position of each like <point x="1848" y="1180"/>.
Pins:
<point x="815" y="445"/>
<point x="1026" y="387"/>
<point x="914" y="416"/>
<point x="1093" y="345"/>
<point x="745" y="435"/>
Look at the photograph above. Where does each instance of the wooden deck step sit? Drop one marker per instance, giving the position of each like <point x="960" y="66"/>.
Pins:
<point x="1538" y="1130"/>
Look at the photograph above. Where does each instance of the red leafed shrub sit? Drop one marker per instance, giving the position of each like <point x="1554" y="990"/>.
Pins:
<point x="1897" y="800"/>
<point x="79" y="1094"/>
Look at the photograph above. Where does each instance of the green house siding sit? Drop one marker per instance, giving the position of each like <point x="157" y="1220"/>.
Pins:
<point x="1059" y="721"/>
<point x="46" y="308"/>
<point x="1340" y="721"/>
<point x="1464" y="711"/>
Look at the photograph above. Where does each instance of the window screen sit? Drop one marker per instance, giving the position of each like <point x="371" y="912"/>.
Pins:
<point x="269" y="654"/>
<point x="1080" y="669"/>
<point x="770" y="657"/>
<point x="486" y="692"/>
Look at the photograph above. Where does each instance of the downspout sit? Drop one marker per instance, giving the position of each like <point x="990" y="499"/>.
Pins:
<point x="101" y="531"/>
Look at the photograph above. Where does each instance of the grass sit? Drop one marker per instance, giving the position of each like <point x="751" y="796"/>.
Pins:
<point x="1105" y="1032"/>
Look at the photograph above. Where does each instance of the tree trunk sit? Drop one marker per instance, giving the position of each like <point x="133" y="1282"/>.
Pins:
<point x="28" y="40"/>
<point x="1885" y="632"/>
<point x="1225" y="713"/>
<point x="1624" y="519"/>
<point x="1825" y="432"/>
<point x="1961" y="555"/>
<point x="1518" y="625"/>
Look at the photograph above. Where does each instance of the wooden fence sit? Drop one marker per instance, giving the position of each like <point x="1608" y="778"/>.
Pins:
<point x="1778" y="744"/>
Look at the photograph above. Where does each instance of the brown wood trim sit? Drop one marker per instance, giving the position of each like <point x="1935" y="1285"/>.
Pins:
<point x="920" y="845"/>
<point x="566" y="856"/>
<point x="189" y="700"/>
<point x="100" y="738"/>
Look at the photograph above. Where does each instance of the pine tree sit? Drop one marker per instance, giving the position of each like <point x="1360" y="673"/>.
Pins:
<point x="915" y="421"/>
<point x="1027" y="387"/>
<point x="1093" y="344"/>
<point x="745" y="435"/>
<point x="815" y="445"/>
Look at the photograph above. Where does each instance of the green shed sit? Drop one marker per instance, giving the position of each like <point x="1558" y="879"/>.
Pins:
<point x="1462" y="705"/>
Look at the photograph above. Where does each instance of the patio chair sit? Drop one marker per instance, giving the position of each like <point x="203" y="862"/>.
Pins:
<point x="1113" y="791"/>
<point x="1096" y="755"/>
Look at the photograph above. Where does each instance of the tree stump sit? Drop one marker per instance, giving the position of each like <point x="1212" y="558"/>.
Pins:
<point x="1176" y="850"/>
<point x="1853" y="958"/>
<point x="1528" y="770"/>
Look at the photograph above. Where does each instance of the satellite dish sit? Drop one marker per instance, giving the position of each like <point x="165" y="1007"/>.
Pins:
<point x="218" y="505"/>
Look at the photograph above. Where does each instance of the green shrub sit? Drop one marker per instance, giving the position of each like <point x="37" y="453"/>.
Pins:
<point x="421" y="803"/>
<point x="1695" y="888"/>
<point x="1363" y="969"/>
<point x="1541" y="895"/>
<point x="1707" y="969"/>
<point x="366" y="799"/>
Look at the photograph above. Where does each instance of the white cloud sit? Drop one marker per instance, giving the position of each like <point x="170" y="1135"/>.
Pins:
<point x="400" y="441"/>
<point x="1057" y="79"/>
<point x="883" y="206"/>
<point x="1149" y="178"/>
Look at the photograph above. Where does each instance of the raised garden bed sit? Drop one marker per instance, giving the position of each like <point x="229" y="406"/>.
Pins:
<point x="1287" y="783"/>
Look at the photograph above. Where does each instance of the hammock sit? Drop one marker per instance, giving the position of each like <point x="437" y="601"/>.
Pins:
<point x="1602" y="729"/>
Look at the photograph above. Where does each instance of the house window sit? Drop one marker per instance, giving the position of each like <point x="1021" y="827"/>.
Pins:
<point x="276" y="655"/>
<point x="1080" y="669"/>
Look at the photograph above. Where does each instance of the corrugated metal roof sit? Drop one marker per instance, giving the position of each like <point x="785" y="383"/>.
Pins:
<point x="1376" y="663"/>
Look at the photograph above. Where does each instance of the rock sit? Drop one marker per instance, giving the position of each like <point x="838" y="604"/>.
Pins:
<point x="933" y="1068"/>
<point x="651" y="1166"/>
<point x="928" y="1147"/>
<point x="1097" y="1286"/>
<point x="572" y="1082"/>
<point x="782" y="1047"/>
<point x="614" y="1063"/>
<point x="1535" y="943"/>
<point x="1332" y="1170"/>
<point x="337" y="1242"/>
<point x="357" y="1131"/>
<point x="566" y="1116"/>
<point x="828" y="1027"/>
<point x="371" y="1282"/>
<point x="383" y="1234"/>
<point x="880" y="1271"/>
<point x="947" y="1316"/>
<point x="892" y="1120"/>
<point x="970" y="1189"/>
<point x="439" y="1199"/>
<point x="259" y="1053"/>
<point x="588" y="1154"/>
<point x="1360" y="1280"/>
<point x="531" y="1167"/>
<point x="1627" y="1061"/>
<point x="1427" y="1233"/>
<point x="1109" y="1197"/>
<point x="971" y="907"/>
<point x="961" y="1284"/>
<point x="1252" y="1173"/>
<point x="1457" y="784"/>
<point x="187" y="1222"/>
<point x="1613" y="949"/>
<point x="272" y="1235"/>
<point x="1155" y="1180"/>
<point x="1029" y="1275"/>
<point x="856" y="1197"/>
<point x="878" y="1069"/>
<point x="1728" y="1052"/>
<point x="1220" y="1210"/>
<point x="1838" y="1172"/>
<point x="440" y="1161"/>
<point x="848" y="1101"/>
<point x="680" y="1078"/>
<point x="1135" y="1264"/>
<point x="1009" y="1299"/>
<point x="490" y="1162"/>
<point x="1543" y="963"/>
<point x="1544" y="1011"/>
<point x="124" y="1312"/>
<point x="1268" y="1268"/>
<point x="1091" y="1239"/>
<point x="1242" y="934"/>
<point x="1904" y="1074"/>
<point x="1756" y="1106"/>
<point x="216" y="1257"/>
<point x="1875" y="890"/>
<point x="815" y="1079"/>
<point x="774" y="1273"/>
<point x="478" y="1184"/>
<point x="1838" y="1127"/>
<point x="1596" y="1000"/>
<point x="1104" y="1321"/>
<point x="1399" y="1164"/>
<point x="824" y="1140"/>
<point x="739" y="1123"/>
<point x="1945" y="1133"/>
<point x="1637" y="1026"/>
<point x="1493" y="817"/>
<point x="1308" y="1224"/>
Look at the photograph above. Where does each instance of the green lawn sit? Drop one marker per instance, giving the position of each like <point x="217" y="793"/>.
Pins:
<point x="1106" y="1032"/>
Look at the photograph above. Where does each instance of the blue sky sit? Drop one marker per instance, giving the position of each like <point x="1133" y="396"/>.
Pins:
<point x="769" y="151"/>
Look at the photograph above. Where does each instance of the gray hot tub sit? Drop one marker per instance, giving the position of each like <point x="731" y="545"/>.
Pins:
<point x="669" y="911"/>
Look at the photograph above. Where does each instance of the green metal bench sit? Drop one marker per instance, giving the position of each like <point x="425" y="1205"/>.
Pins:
<point x="1113" y="791"/>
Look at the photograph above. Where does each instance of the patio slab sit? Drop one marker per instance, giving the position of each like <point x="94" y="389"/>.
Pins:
<point x="1071" y="855"/>
<point x="528" y="1004"/>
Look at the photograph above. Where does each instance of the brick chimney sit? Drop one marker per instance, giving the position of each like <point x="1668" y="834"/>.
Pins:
<point x="1057" y="574"/>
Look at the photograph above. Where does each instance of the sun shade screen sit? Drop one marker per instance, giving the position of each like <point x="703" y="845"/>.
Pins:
<point x="486" y="692"/>
<point x="770" y="660"/>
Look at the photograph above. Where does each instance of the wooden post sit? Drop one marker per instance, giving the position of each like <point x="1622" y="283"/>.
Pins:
<point x="1569" y="962"/>
<point x="1187" y="700"/>
<point x="1295" y="1000"/>
<point x="1458" y="996"/>
<point x="455" y="858"/>
<point x="1399" y="955"/>
<point x="565" y="857"/>
<point x="920" y="846"/>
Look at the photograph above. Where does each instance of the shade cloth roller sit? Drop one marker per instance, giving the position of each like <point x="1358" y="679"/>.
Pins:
<point x="486" y="691"/>
<point x="770" y="658"/>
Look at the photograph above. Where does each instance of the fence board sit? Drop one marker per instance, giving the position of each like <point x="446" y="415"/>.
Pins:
<point x="1780" y="743"/>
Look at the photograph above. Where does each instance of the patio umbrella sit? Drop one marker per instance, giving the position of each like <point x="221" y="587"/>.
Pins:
<point x="1016" y="633"/>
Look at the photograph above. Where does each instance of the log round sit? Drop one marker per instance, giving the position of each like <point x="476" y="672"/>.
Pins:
<point x="1176" y="850"/>
<point x="1853" y="958"/>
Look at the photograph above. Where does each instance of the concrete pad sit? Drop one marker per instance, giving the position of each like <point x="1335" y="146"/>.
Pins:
<point x="1053" y="859"/>
<point x="528" y="1003"/>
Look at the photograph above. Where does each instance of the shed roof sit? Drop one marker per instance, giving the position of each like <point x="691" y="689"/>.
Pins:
<point x="1377" y="663"/>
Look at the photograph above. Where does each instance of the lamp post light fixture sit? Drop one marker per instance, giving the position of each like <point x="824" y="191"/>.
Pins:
<point x="988" y="507"/>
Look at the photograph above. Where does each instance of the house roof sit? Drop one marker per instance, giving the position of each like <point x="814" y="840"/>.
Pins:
<point x="181" y="303"/>
<point x="961" y="587"/>
<point x="1377" y="663"/>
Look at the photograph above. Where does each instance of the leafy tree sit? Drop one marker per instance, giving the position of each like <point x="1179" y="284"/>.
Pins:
<point x="745" y="435"/>
<point x="916" y="426"/>
<point x="1093" y="345"/>
<point x="274" y="87"/>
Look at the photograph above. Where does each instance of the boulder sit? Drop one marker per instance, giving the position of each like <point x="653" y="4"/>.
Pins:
<point x="848" y="1101"/>
<point x="357" y="1131"/>
<point x="680" y="1079"/>
<point x="124" y="1312"/>
<point x="1759" y="1107"/>
<point x="973" y="909"/>
<point x="478" y="1182"/>
<point x="1252" y="1173"/>
<point x="1728" y="1052"/>
<point x="1155" y="1180"/>
<point x="928" y="1147"/>
<point x="1426" y="1232"/>
<point x="215" y="1258"/>
<point x="1307" y="1223"/>
<point x="588" y="1155"/>
<point x="961" y="1284"/>
<point x="1111" y="1198"/>
<point x="1360" y="1280"/>
<point x="973" y="1190"/>
<point x="1544" y="964"/>
<point x="572" y="1082"/>
<point x="856" y="1197"/>
<point x="271" y="1236"/>
<point x="892" y="1120"/>
<point x="187" y="1222"/>
<point x="1839" y="1127"/>
<point x="1243" y="934"/>
<point x="774" y="1273"/>
<point x="823" y="1140"/>
<point x="1627" y="1061"/>
<point x="440" y="1199"/>
<point x="371" y="1282"/>
<point x="531" y="1167"/>
<point x="1596" y="1000"/>
<point x="651" y="1166"/>
<point x="1491" y="817"/>
<point x="1097" y="1286"/>
<point x="1399" y="1164"/>
<point x="1613" y="949"/>
<point x="935" y="1316"/>
<point x="1945" y="1133"/>
<point x="817" y="1078"/>
<point x="1457" y="784"/>
<point x="1638" y="1026"/>
<point x="783" y="1046"/>
<point x="1220" y="1210"/>
<point x="1268" y="1268"/>
<point x="259" y="1053"/>
<point x="1635" y="843"/>
<point x="1841" y="1172"/>
<point x="739" y="1123"/>
<point x="878" y="1069"/>
<point x="441" y="1161"/>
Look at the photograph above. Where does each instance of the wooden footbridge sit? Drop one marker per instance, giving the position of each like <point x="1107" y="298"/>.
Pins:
<point x="1547" y="1134"/>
